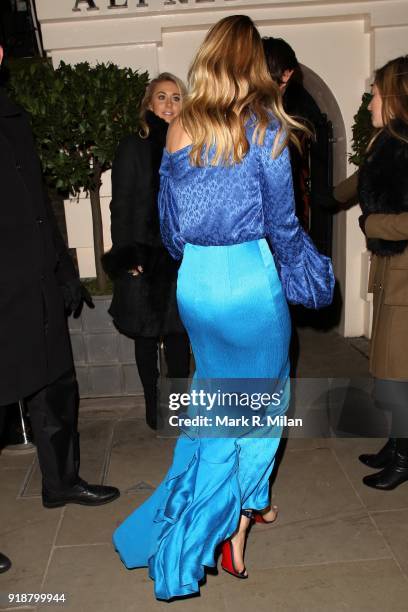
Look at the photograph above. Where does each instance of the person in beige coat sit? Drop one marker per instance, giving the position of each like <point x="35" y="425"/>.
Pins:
<point x="383" y="197"/>
<point x="388" y="282"/>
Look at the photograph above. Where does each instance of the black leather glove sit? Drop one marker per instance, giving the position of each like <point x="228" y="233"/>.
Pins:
<point x="362" y="221"/>
<point x="75" y="294"/>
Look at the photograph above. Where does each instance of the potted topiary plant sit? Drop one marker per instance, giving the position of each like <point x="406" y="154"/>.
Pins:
<point x="79" y="114"/>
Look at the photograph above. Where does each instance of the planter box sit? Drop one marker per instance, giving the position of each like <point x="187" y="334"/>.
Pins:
<point x="104" y="359"/>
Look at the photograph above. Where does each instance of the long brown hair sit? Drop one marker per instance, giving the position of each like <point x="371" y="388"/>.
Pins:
<point x="147" y="98"/>
<point x="392" y="83"/>
<point x="229" y="84"/>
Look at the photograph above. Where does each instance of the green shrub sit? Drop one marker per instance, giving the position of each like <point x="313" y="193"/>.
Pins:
<point x="79" y="114"/>
<point x="362" y="131"/>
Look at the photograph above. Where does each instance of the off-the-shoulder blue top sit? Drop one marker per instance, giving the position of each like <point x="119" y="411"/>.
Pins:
<point x="224" y="205"/>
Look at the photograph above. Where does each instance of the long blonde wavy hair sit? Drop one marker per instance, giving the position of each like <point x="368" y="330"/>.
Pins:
<point x="147" y="98"/>
<point x="392" y="82"/>
<point x="229" y="84"/>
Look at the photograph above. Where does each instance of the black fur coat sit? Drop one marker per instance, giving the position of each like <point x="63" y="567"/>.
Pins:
<point x="383" y="185"/>
<point x="143" y="305"/>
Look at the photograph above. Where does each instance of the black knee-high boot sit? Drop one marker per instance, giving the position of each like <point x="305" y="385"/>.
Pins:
<point x="395" y="473"/>
<point x="151" y="401"/>
<point x="146" y="353"/>
<point x="177" y="354"/>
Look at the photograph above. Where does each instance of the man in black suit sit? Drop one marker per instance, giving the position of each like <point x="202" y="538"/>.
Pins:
<point x="36" y="274"/>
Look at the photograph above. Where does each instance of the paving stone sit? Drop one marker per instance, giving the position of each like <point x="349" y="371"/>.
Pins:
<point x="327" y="354"/>
<point x="16" y="460"/>
<point x="394" y="527"/>
<point x="345" y="537"/>
<point x="301" y="444"/>
<point x="310" y="484"/>
<point x="367" y="586"/>
<point x="20" y="607"/>
<point x="361" y="344"/>
<point x="83" y="525"/>
<point x="89" y="585"/>
<point x="112" y="408"/>
<point x="27" y="532"/>
<point x="347" y="452"/>
<point x="140" y="486"/>
<point x="11" y="486"/>
<point x="137" y="455"/>
<point x="125" y="471"/>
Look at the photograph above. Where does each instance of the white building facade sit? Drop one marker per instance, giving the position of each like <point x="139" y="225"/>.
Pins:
<point x="338" y="43"/>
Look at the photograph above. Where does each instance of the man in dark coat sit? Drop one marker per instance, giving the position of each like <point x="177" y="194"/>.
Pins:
<point x="35" y="353"/>
<point x="311" y="168"/>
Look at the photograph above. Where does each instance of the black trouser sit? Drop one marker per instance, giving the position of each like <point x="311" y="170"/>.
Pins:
<point x="177" y="355"/>
<point x="54" y="420"/>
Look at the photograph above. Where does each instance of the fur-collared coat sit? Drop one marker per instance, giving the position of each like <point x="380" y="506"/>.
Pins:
<point x="143" y="305"/>
<point x="383" y="193"/>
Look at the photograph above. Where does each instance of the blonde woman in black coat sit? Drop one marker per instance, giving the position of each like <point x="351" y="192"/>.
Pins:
<point x="144" y="305"/>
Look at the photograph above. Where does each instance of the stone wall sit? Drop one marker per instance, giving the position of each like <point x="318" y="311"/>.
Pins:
<point x="104" y="359"/>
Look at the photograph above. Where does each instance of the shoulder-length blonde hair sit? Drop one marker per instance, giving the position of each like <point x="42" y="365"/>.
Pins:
<point x="147" y="98"/>
<point x="229" y="84"/>
<point x="392" y="83"/>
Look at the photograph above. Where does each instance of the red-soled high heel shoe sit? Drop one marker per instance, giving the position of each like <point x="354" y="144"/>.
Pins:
<point x="227" y="561"/>
<point x="258" y="517"/>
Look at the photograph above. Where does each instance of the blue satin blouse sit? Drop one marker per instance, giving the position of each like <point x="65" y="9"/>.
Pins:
<point x="224" y="205"/>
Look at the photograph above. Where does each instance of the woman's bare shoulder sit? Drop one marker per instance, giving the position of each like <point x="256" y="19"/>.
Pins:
<point x="177" y="137"/>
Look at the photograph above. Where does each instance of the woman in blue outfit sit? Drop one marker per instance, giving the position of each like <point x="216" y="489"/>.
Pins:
<point x="226" y="190"/>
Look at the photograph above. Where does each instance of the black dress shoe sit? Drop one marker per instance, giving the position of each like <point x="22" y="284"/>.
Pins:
<point x="5" y="563"/>
<point x="391" y="476"/>
<point x="81" y="493"/>
<point x="383" y="457"/>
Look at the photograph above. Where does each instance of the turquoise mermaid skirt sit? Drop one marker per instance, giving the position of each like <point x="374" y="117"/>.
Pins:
<point x="231" y="303"/>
